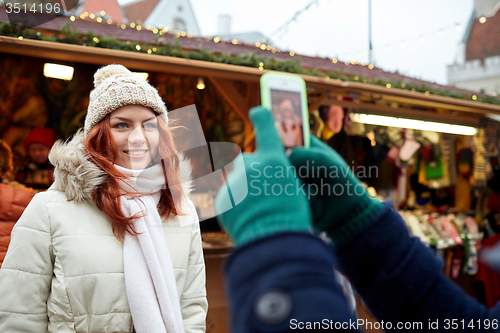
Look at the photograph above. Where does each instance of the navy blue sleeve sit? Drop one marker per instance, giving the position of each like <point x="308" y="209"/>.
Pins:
<point x="401" y="280"/>
<point x="284" y="283"/>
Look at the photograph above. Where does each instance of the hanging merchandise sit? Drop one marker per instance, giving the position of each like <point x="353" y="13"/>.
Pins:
<point x="485" y="151"/>
<point x="393" y="136"/>
<point x="393" y="155"/>
<point x="465" y="165"/>
<point x="410" y="146"/>
<point x="448" y="148"/>
<point x="479" y="170"/>
<point x="475" y="237"/>
<point x="354" y="129"/>
<point x="450" y="229"/>
<point x="472" y="264"/>
<point x="453" y="237"/>
<point x="442" y="228"/>
<point x="427" y="153"/>
<point x="471" y="226"/>
<point x="433" y="233"/>
<point x="415" y="227"/>
<point x="469" y="231"/>
<point x="422" y="178"/>
<point x="491" y="145"/>
<point x="444" y="180"/>
<point x="463" y="185"/>
<point x="433" y="137"/>
<point x="429" y="142"/>
<point x="434" y="169"/>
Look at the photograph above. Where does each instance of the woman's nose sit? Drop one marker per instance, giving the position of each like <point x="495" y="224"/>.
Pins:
<point x="137" y="136"/>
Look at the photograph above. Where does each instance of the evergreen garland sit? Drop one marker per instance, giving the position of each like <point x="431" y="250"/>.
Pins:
<point x="248" y="59"/>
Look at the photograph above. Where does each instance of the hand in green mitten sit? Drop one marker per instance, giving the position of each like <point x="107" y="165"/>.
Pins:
<point x="339" y="202"/>
<point x="273" y="203"/>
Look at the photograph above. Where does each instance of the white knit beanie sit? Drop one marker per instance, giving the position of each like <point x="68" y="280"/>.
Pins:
<point x="115" y="86"/>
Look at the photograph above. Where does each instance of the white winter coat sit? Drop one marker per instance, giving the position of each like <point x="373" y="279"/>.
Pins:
<point x="63" y="271"/>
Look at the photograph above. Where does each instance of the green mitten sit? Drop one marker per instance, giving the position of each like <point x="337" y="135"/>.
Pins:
<point x="339" y="202"/>
<point x="274" y="202"/>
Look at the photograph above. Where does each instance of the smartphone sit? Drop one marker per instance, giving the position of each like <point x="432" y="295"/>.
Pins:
<point x="285" y="95"/>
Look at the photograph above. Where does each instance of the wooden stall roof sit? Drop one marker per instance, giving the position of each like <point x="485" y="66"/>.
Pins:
<point x="370" y="97"/>
<point x="53" y="23"/>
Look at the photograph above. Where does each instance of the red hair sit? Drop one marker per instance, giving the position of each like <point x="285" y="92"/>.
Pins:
<point x="102" y="151"/>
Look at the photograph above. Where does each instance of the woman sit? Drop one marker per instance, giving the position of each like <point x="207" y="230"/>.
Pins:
<point x="14" y="198"/>
<point x="89" y="255"/>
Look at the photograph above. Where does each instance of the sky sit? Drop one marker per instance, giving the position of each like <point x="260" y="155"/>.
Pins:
<point x="339" y="28"/>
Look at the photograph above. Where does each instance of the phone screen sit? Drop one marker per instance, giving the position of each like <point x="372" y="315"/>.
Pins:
<point x="287" y="114"/>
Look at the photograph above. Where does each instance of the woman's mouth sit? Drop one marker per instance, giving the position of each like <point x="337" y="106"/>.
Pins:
<point x="136" y="153"/>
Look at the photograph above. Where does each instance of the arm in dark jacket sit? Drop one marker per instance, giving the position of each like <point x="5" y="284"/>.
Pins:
<point x="283" y="283"/>
<point x="401" y="280"/>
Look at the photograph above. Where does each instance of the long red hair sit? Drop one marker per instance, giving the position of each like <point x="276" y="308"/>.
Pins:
<point x="102" y="151"/>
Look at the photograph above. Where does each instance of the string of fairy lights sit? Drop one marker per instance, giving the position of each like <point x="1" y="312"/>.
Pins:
<point x="103" y="18"/>
<point x="269" y="44"/>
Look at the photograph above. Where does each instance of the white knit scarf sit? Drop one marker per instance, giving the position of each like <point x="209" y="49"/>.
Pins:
<point x="149" y="274"/>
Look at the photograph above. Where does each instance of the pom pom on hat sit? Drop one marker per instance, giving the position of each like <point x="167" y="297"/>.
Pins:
<point x="105" y="72"/>
<point x="115" y="86"/>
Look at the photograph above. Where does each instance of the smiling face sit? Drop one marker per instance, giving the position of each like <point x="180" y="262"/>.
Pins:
<point x="136" y="135"/>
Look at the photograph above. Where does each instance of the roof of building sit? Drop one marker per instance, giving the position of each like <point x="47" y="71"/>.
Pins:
<point x="484" y="38"/>
<point x="139" y="11"/>
<point x="250" y="37"/>
<point x="110" y="7"/>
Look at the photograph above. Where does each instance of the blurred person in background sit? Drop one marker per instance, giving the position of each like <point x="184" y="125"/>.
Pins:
<point x="14" y="198"/>
<point x="38" y="173"/>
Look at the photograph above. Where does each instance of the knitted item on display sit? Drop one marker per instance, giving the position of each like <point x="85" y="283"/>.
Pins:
<point x="115" y="86"/>
<point x="409" y="148"/>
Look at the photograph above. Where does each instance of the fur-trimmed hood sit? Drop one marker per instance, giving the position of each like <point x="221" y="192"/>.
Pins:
<point x="77" y="177"/>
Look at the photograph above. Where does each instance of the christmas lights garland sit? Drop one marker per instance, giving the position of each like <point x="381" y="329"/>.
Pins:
<point x="248" y="59"/>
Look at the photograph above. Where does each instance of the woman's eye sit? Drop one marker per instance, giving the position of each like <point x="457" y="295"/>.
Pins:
<point x="149" y="125"/>
<point x="120" y="125"/>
